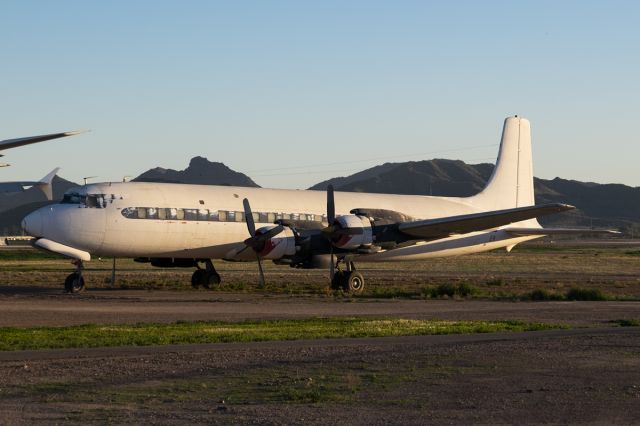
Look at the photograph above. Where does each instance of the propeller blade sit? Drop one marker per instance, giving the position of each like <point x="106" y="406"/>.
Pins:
<point x="262" y="281"/>
<point x="257" y="241"/>
<point x="251" y="226"/>
<point x="331" y="205"/>
<point x="332" y="268"/>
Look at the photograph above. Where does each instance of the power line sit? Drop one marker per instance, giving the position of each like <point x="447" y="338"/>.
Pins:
<point x="306" y="166"/>
<point x="319" y="172"/>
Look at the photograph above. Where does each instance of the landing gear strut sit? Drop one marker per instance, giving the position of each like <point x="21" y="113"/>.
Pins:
<point x="75" y="281"/>
<point x="349" y="280"/>
<point x="205" y="277"/>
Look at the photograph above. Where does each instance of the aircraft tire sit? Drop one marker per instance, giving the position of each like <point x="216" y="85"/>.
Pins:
<point x="74" y="283"/>
<point x="210" y="279"/>
<point x="354" y="283"/>
<point x="338" y="280"/>
<point x="198" y="278"/>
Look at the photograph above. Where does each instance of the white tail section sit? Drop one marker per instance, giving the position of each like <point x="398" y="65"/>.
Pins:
<point x="45" y="183"/>
<point x="511" y="183"/>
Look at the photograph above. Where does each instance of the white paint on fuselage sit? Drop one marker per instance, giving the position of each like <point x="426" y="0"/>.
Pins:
<point x="106" y="232"/>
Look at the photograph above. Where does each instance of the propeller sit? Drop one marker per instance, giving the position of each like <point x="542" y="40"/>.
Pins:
<point x="334" y="231"/>
<point x="257" y="241"/>
<point x="328" y="231"/>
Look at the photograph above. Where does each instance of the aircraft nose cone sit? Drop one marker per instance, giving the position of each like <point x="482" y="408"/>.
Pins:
<point x="32" y="224"/>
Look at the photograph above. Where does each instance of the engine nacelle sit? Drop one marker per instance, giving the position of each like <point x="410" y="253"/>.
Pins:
<point x="278" y="246"/>
<point x="352" y="241"/>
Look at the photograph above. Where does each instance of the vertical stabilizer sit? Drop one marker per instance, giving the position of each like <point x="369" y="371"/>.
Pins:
<point x="45" y="183"/>
<point x="511" y="183"/>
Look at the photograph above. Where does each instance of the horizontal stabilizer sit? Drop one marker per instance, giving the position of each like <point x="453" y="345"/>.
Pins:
<point x="560" y="231"/>
<point x="444" y="227"/>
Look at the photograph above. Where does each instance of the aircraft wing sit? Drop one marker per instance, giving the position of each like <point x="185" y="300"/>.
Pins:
<point x="13" y="143"/>
<point x="560" y="231"/>
<point x="446" y="226"/>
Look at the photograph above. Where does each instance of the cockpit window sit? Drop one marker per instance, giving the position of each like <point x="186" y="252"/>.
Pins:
<point x="71" y="198"/>
<point x="98" y="201"/>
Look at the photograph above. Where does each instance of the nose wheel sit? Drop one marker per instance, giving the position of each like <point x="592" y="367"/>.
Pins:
<point x="349" y="280"/>
<point x="74" y="283"/>
<point x="207" y="277"/>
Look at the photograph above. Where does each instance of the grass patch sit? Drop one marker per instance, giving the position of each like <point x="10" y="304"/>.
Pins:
<point x="541" y="294"/>
<point x="627" y="323"/>
<point x="462" y="289"/>
<point x="88" y="336"/>
<point x="495" y="282"/>
<point x="585" y="294"/>
<point x="23" y="254"/>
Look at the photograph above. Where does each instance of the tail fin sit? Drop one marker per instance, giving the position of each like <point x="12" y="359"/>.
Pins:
<point x="511" y="184"/>
<point x="45" y="184"/>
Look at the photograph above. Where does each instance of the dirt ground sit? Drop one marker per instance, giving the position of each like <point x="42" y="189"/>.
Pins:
<point x="559" y="377"/>
<point x="587" y="375"/>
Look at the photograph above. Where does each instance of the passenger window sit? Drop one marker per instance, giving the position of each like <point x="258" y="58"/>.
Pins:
<point x="239" y="216"/>
<point x="203" y="214"/>
<point x="262" y="218"/>
<point x="295" y="216"/>
<point x="190" y="214"/>
<point x="130" y="212"/>
<point x="286" y="216"/>
<point x="179" y="214"/>
<point x="303" y="216"/>
<point x="231" y="216"/>
<point x="271" y="217"/>
<point x="256" y="217"/>
<point x="152" y="213"/>
<point x="142" y="213"/>
<point x="162" y="214"/>
<point x="172" y="214"/>
<point x="213" y="215"/>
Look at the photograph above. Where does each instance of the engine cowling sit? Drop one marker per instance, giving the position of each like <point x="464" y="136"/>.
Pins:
<point x="278" y="246"/>
<point x="353" y="232"/>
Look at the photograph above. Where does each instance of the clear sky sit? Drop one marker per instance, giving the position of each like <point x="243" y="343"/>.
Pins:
<point x="294" y="92"/>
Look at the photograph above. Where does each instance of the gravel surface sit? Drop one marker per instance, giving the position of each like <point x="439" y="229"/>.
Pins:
<point x="566" y="377"/>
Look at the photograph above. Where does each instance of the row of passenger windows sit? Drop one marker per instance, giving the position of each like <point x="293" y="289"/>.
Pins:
<point x="213" y="215"/>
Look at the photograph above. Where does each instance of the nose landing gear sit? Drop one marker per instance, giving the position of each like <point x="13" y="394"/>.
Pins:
<point x="205" y="277"/>
<point x="74" y="283"/>
<point x="349" y="280"/>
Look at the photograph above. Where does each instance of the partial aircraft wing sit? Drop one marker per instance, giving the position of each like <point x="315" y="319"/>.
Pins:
<point x="43" y="184"/>
<point x="431" y="229"/>
<point x="13" y="143"/>
<point x="559" y="231"/>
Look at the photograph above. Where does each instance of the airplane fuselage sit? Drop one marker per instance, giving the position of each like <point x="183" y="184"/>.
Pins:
<point x="200" y="221"/>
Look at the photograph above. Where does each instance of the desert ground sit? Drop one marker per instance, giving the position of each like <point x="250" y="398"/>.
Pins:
<point x="585" y="373"/>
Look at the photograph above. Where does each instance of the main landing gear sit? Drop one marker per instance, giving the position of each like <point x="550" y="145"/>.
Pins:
<point x="348" y="280"/>
<point x="205" y="277"/>
<point x="75" y="281"/>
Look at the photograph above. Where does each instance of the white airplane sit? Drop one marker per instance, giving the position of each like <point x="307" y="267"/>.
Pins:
<point x="14" y="143"/>
<point x="178" y="225"/>
<point x="43" y="184"/>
